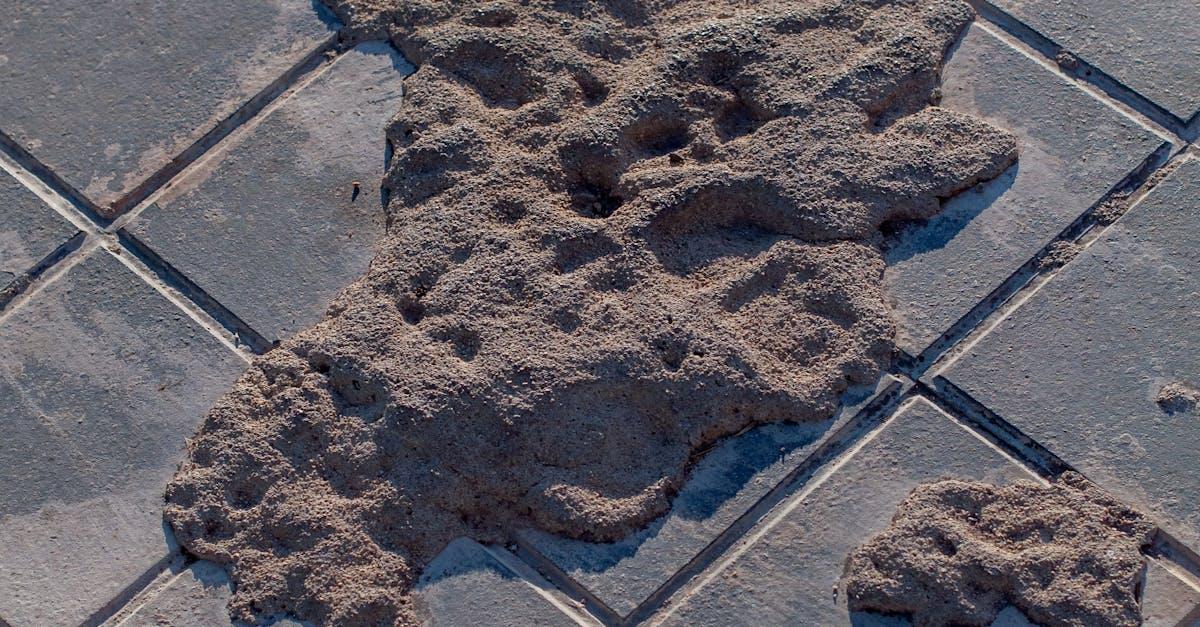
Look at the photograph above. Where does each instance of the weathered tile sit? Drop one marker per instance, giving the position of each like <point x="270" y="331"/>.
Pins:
<point x="1079" y="366"/>
<point x="106" y="93"/>
<point x="271" y="228"/>
<point x="103" y="381"/>
<point x="29" y="230"/>
<point x="787" y="570"/>
<point x="196" y="596"/>
<point x="1073" y="148"/>
<point x="725" y="483"/>
<point x="1151" y="47"/>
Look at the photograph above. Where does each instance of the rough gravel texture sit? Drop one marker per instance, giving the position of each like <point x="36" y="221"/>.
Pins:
<point x="617" y="231"/>
<point x="957" y="552"/>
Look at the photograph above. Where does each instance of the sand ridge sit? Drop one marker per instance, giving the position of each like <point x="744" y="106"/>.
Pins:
<point x="956" y="552"/>
<point x="617" y="231"/>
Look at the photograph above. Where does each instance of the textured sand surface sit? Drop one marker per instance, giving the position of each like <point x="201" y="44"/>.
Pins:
<point x="957" y="552"/>
<point x="617" y="232"/>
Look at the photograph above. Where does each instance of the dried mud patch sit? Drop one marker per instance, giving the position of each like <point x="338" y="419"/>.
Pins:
<point x="618" y="231"/>
<point x="957" y="552"/>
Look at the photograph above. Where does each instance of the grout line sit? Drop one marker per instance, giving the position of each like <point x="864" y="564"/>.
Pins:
<point x="988" y="424"/>
<point x="247" y="111"/>
<point x="1085" y="75"/>
<point x="811" y="471"/>
<point x="131" y="591"/>
<point x="297" y="79"/>
<point x="46" y="178"/>
<point x="47" y="263"/>
<point x="1031" y="275"/>
<point x="186" y="295"/>
<point x="50" y="275"/>
<point x="573" y="608"/>
<point x="555" y="575"/>
<point x="72" y="212"/>
<point x="176" y="569"/>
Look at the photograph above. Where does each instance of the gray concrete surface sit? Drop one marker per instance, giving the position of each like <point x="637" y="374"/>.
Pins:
<point x="1079" y="366"/>
<point x="1152" y="47"/>
<point x="29" y="230"/>
<point x="107" y="92"/>
<point x="103" y="380"/>
<point x="724" y="484"/>
<point x="1073" y="148"/>
<point x="270" y="225"/>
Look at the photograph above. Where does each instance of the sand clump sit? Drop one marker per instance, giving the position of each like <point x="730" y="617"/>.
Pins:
<point x="617" y="231"/>
<point x="957" y="552"/>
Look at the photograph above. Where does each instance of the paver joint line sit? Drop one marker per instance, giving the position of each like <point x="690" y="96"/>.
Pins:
<point x="1011" y="292"/>
<point x="1085" y="73"/>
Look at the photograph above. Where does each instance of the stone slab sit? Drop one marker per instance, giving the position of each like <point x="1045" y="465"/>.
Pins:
<point x="103" y="381"/>
<point x="725" y="484"/>
<point x="1151" y="47"/>
<point x="270" y="227"/>
<point x="106" y="93"/>
<point x="1078" y="367"/>
<point x="787" y="570"/>
<point x="29" y="230"/>
<point x="463" y="585"/>
<point x="1168" y="600"/>
<point x="1073" y="149"/>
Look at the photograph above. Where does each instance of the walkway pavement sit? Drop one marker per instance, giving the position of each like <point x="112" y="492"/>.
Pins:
<point x="177" y="193"/>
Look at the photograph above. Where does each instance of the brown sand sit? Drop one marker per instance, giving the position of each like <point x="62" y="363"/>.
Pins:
<point x="617" y="232"/>
<point x="958" y="551"/>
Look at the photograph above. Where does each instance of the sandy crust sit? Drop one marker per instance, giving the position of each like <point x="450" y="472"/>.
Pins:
<point x="618" y="231"/>
<point x="957" y="552"/>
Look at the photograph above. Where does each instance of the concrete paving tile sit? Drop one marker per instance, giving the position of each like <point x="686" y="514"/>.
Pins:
<point x="725" y="483"/>
<point x="271" y="227"/>
<point x="29" y="230"/>
<point x="1079" y="366"/>
<point x="1073" y="148"/>
<point x="104" y="380"/>
<point x="1151" y="47"/>
<point x="106" y="93"/>
<point x="787" y="570"/>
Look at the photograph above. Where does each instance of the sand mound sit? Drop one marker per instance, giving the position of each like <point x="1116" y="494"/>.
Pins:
<point x="617" y="232"/>
<point x="957" y="552"/>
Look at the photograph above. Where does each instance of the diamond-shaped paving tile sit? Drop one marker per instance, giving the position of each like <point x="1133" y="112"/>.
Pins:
<point x="1073" y="149"/>
<point x="271" y="226"/>
<point x="1080" y="365"/>
<point x="1152" y="47"/>
<point x="107" y="93"/>
<point x="103" y="380"/>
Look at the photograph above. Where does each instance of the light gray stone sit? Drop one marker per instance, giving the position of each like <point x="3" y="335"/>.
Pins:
<point x="29" y="230"/>
<point x="724" y="484"/>
<point x="270" y="226"/>
<point x="466" y="585"/>
<point x="1079" y="366"/>
<point x="197" y="596"/>
<point x="1073" y="148"/>
<point x="787" y="570"/>
<point x="1151" y="47"/>
<point x="106" y="93"/>
<point x="103" y="380"/>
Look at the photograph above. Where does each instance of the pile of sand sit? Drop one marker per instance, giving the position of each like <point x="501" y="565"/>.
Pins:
<point x="617" y="232"/>
<point x="957" y="552"/>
